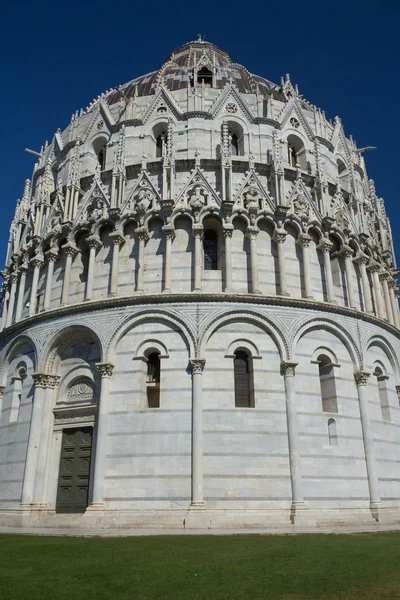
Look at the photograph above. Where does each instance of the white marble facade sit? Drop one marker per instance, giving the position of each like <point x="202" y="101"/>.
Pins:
<point x="193" y="213"/>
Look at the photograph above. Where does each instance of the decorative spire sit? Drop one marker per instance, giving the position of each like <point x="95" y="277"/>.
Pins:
<point x="119" y="158"/>
<point x="74" y="173"/>
<point x="277" y="152"/>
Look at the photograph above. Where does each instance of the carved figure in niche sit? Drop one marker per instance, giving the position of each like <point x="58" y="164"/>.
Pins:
<point x="95" y="209"/>
<point x="251" y="199"/>
<point x="144" y="199"/>
<point x="54" y="224"/>
<point x="342" y="220"/>
<point x="301" y="207"/>
<point x="197" y="199"/>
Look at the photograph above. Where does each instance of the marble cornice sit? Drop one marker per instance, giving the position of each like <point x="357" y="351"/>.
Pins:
<point x="153" y="300"/>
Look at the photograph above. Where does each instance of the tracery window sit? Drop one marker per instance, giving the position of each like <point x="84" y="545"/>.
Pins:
<point x="327" y="384"/>
<point x="153" y="380"/>
<point x="244" y="389"/>
<point x="210" y="245"/>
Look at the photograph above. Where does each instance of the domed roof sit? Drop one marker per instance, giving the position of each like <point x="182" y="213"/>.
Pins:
<point x="177" y="72"/>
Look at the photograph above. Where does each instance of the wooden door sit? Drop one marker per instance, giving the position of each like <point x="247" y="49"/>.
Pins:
<point x="73" y="480"/>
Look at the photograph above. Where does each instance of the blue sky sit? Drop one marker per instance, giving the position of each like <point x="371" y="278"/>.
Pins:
<point x="57" y="57"/>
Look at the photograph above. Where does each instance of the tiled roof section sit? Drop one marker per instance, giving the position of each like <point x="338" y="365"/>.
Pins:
<point x="177" y="73"/>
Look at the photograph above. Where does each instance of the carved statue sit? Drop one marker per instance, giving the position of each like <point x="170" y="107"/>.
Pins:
<point x="197" y="199"/>
<point x="251" y="199"/>
<point x="301" y="207"/>
<point x="342" y="220"/>
<point x="95" y="210"/>
<point x="143" y="199"/>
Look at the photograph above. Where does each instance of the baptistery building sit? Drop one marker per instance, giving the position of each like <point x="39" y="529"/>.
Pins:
<point x="200" y="323"/>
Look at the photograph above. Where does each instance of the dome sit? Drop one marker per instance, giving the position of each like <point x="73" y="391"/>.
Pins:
<point x="178" y="70"/>
<point x="200" y="322"/>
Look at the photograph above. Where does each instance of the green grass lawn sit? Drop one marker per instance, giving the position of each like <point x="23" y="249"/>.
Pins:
<point x="365" y="566"/>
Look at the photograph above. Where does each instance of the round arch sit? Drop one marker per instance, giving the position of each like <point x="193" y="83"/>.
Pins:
<point x="10" y="349"/>
<point x="61" y="340"/>
<point x="223" y="318"/>
<point x="144" y="315"/>
<point x="387" y="348"/>
<point x="336" y="330"/>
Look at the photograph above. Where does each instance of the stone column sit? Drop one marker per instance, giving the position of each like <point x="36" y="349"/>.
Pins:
<point x="375" y="500"/>
<point x="169" y="238"/>
<point x="11" y="304"/>
<point x="5" y="308"/>
<point x="105" y="370"/>
<point x="227" y="233"/>
<point x="252" y="233"/>
<point x="143" y="236"/>
<point x="380" y="309"/>
<point x="35" y="434"/>
<point x="198" y="256"/>
<point x="326" y="247"/>
<point x="93" y="241"/>
<point x="117" y="240"/>
<point x="304" y="241"/>
<point x="347" y="253"/>
<point x="70" y="251"/>
<point x="363" y="261"/>
<point x="51" y="259"/>
<point x="279" y="238"/>
<point x="394" y="302"/>
<point x="298" y="505"/>
<point x="50" y="383"/>
<point x="21" y="291"/>
<point x="386" y="295"/>
<point x="197" y="366"/>
<point x="37" y="263"/>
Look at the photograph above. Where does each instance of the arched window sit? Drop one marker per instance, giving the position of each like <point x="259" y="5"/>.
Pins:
<point x="18" y="382"/>
<point x="381" y="380"/>
<point x="153" y="380"/>
<point x="244" y="389"/>
<point x="332" y="432"/>
<point x="296" y="152"/>
<point x="327" y="384"/>
<point x="210" y="245"/>
<point x="159" y="146"/>
<point x="234" y="144"/>
<point x="204" y="76"/>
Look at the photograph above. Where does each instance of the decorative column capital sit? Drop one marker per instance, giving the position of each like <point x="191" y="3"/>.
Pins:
<point x="23" y="267"/>
<point x="197" y="230"/>
<point x="46" y="380"/>
<point x="325" y="246"/>
<point x="14" y="278"/>
<point x="93" y="241"/>
<point x="397" y="388"/>
<point x="392" y="284"/>
<point x="70" y="249"/>
<point x="3" y="387"/>
<point x="252" y="232"/>
<point x="117" y="238"/>
<point x="143" y="234"/>
<point x="169" y="232"/>
<point x="384" y="276"/>
<point x="279" y="236"/>
<point x="346" y="252"/>
<point x="361" y="378"/>
<point x="51" y="255"/>
<point x="37" y="261"/>
<point x="304" y="240"/>
<point x="227" y="231"/>
<point x="374" y="267"/>
<point x="288" y="368"/>
<point x="362" y="259"/>
<point x="197" y="365"/>
<point x="105" y="369"/>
